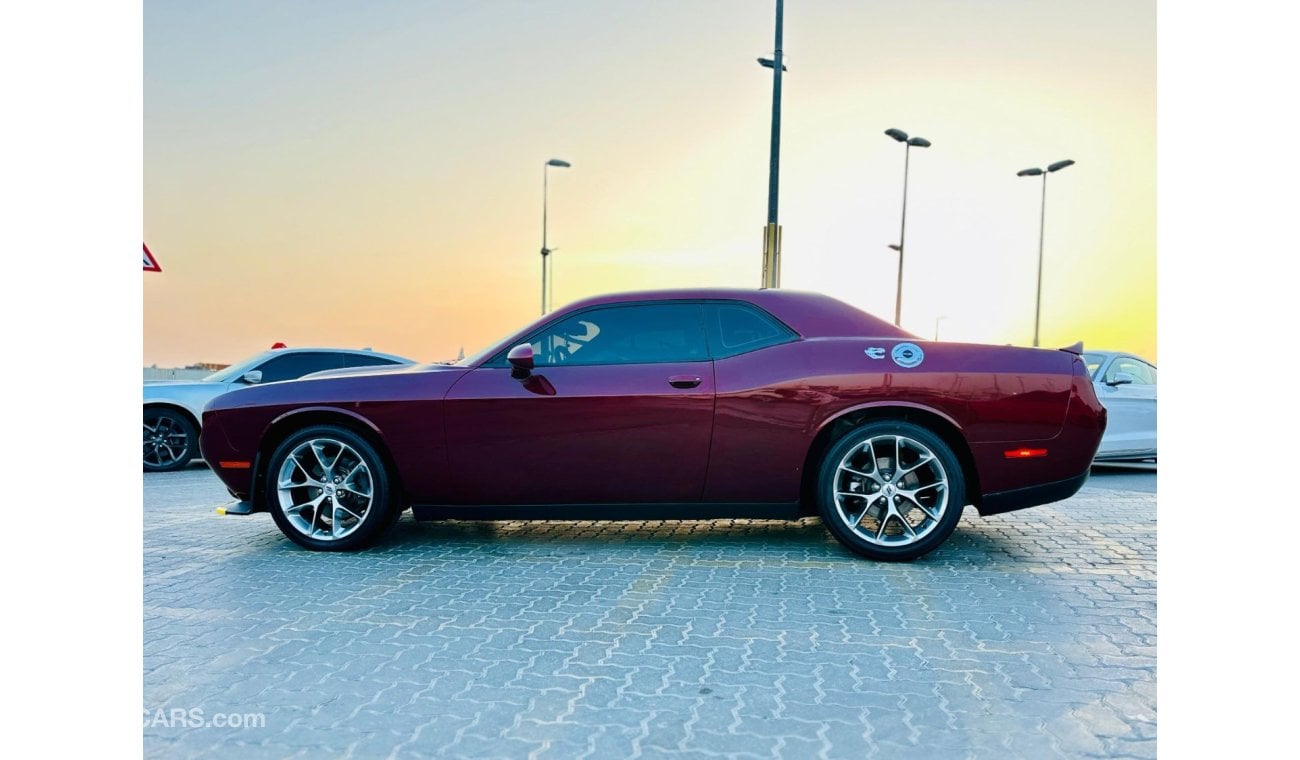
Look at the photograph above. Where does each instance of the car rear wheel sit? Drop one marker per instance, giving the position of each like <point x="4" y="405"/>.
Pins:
<point x="170" y="440"/>
<point x="329" y="490"/>
<point x="891" y="490"/>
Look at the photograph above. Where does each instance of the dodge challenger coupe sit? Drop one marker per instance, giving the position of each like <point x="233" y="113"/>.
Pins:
<point x="683" y="404"/>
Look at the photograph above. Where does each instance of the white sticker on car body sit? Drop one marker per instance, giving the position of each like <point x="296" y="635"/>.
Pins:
<point x="907" y="355"/>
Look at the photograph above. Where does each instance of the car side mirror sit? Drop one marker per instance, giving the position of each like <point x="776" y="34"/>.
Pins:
<point x="521" y="361"/>
<point x="252" y="377"/>
<point x="1120" y="378"/>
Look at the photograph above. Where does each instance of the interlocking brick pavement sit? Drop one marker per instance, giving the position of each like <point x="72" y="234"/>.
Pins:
<point x="1030" y="634"/>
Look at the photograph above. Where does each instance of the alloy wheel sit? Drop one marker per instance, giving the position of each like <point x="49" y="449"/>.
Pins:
<point x="325" y="489"/>
<point x="165" y="440"/>
<point x="891" y="490"/>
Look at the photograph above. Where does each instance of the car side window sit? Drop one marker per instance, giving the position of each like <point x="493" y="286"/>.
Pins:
<point x="294" y="366"/>
<point x="366" y="360"/>
<point x="1143" y="373"/>
<point x="633" y="334"/>
<point x="736" y="328"/>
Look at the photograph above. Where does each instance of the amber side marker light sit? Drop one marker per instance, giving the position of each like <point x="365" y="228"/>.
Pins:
<point x="235" y="465"/>
<point x="1024" y="453"/>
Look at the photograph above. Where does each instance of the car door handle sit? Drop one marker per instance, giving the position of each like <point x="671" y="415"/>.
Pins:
<point x="684" y="381"/>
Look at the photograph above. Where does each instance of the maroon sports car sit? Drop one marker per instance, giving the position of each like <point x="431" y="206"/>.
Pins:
<point x="676" y="404"/>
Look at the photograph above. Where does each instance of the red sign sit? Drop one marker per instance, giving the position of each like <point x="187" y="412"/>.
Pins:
<point x="150" y="263"/>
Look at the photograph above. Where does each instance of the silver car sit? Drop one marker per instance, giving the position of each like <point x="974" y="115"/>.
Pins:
<point x="1126" y="386"/>
<point x="173" y="410"/>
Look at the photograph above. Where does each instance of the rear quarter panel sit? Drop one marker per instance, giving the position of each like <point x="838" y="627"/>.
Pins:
<point x="772" y="403"/>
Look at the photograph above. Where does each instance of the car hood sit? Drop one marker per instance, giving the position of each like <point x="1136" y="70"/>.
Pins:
<point x="358" y="371"/>
<point x="343" y="387"/>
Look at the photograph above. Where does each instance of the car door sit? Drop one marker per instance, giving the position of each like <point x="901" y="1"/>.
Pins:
<point x="1130" y="407"/>
<point x="617" y="410"/>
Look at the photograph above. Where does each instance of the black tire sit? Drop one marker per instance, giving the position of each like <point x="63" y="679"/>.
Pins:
<point x="938" y="530"/>
<point x="170" y="439"/>
<point x="376" y="519"/>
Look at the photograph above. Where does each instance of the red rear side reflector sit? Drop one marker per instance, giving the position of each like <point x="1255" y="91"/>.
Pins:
<point x="235" y="465"/>
<point x="1024" y="453"/>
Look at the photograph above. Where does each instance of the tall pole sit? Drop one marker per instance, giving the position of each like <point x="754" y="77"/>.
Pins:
<point x="545" y="252"/>
<point x="772" y="233"/>
<point x="908" y="143"/>
<point x="1042" y="223"/>
<point x="902" y="238"/>
<point x="774" y="165"/>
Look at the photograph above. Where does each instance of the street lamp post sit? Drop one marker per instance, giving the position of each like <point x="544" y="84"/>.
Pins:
<point x="546" y="252"/>
<point x="1042" y="223"/>
<point x="772" y="232"/>
<point x="937" y="320"/>
<point x="908" y="144"/>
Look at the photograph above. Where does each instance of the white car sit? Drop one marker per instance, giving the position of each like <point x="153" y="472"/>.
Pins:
<point x="1126" y="386"/>
<point x="173" y="409"/>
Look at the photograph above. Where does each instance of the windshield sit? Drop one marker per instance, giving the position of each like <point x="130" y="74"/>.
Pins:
<point x="1093" y="362"/>
<point x="483" y="353"/>
<point x="235" y="371"/>
<point x="477" y="356"/>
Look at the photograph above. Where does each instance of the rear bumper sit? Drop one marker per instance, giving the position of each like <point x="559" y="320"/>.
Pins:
<point x="1008" y="482"/>
<point x="1131" y="455"/>
<point x="1033" y="496"/>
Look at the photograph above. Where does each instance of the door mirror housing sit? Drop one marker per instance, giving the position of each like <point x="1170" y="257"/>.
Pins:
<point x="521" y="361"/>
<point x="1120" y="378"/>
<point x="252" y="377"/>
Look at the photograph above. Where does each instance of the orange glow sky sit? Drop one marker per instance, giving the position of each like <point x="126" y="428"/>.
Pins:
<point x="369" y="174"/>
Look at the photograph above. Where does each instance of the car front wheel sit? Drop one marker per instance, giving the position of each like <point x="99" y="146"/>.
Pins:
<point x="170" y="440"/>
<point x="891" y="490"/>
<point x="329" y="490"/>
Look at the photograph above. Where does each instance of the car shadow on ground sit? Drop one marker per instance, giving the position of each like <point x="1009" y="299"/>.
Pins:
<point x="805" y="539"/>
<point x="804" y="532"/>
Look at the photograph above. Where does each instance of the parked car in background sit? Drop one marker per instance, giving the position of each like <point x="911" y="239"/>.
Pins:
<point x="683" y="404"/>
<point x="173" y="409"/>
<point x="1126" y="386"/>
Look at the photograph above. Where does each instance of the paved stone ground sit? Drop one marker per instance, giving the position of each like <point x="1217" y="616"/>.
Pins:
<point x="1029" y="635"/>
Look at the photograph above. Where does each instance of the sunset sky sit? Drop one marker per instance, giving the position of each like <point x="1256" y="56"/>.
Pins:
<point x="369" y="173"/>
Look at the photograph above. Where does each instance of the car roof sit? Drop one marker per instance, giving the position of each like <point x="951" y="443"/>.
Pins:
<point x="357" y="351"/>
<point x="812" y="315"/>
<point x="1108" y="355"/>
<point x="1107" y="352"/>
